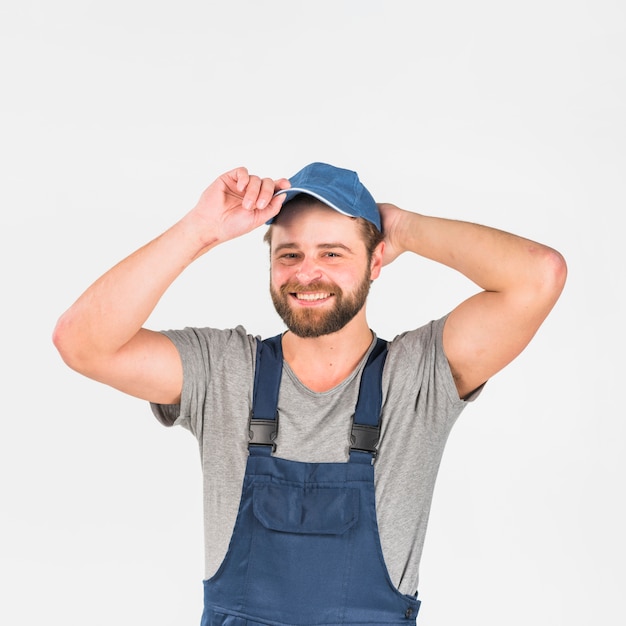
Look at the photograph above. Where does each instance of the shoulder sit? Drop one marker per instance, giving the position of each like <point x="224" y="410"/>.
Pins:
<point x="416" y="360"/>
<point x="212" y="349"/>
<point x="192" y="335"/>
<point x="411" y="343"/>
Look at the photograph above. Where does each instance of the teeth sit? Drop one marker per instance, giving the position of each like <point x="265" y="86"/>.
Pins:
<point x="312" y="296"/>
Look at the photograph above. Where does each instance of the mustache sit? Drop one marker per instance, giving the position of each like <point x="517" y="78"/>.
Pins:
<point x="296" y="287"/>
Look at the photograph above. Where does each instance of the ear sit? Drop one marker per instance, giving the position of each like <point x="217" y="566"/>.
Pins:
<point x="377" y="261"/>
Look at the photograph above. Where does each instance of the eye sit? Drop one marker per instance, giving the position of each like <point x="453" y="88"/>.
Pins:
<point x="332" y="255"/>
<point x="288" y="258"/>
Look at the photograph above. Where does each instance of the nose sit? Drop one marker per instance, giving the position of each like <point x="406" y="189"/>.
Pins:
<point x="308" y="271"/>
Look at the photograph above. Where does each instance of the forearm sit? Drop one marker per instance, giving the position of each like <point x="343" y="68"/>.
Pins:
<point x="115" y="307"/>
<point x="493" y="259"/>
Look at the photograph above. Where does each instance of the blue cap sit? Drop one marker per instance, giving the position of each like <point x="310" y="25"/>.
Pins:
<point x="338" y="188"/>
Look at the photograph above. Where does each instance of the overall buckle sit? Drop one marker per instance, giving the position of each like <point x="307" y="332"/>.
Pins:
<point x="364" y="438"/>
<point x="263" y="432"/>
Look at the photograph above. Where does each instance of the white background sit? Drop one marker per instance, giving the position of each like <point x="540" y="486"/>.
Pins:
<point x="116" y="115"/>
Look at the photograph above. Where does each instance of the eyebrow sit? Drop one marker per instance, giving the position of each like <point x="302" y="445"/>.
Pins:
<point x="322" y="246"/>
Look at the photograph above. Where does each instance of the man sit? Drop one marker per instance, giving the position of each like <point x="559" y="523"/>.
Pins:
<point x="320" y="446"/>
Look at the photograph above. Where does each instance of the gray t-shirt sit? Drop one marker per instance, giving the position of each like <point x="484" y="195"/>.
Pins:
<point x="420" y="405"/>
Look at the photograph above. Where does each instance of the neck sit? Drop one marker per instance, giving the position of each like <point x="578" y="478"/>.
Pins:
<point x="321" y="363"/>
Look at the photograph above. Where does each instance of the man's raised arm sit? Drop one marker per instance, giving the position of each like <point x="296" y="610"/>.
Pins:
<point x="102" y="336"/>
<point x="521" y="282"/>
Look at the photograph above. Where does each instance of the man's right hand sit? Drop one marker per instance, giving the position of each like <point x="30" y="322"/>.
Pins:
<point x="235" y="204"/>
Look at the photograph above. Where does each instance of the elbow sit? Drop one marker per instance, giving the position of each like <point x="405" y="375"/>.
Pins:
<point x="550" y="276"/>
<point x="66" y="343"/>
<point x="556" y="271"/>
<point x="60" y="338"/>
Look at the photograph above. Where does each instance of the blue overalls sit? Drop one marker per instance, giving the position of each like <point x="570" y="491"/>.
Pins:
<point x="305" y="549"/>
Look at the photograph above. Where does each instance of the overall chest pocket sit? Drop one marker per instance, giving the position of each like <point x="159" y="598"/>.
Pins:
<point x="306" y="510"/>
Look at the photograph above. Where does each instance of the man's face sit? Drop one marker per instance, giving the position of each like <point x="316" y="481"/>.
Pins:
<point x="320" y="274"/>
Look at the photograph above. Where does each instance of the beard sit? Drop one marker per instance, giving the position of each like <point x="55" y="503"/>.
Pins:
<point x="312" y="322"/>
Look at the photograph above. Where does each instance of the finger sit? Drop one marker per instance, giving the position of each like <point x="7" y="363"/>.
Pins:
<point x="271" y="210"/>
<point x="236" y="178"/>
<point x="252" y="190"/>
<point x="265" y="193"/>
<point x="276" y="202"/>
<point x="281" y="184"/>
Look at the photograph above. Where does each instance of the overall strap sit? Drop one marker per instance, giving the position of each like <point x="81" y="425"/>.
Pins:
<point x="263" y="428"/>
<point x="366" y="421"/>
<point x="264" y="417"/>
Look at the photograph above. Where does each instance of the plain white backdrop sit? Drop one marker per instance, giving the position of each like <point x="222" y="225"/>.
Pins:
<point x="116" y="115"/>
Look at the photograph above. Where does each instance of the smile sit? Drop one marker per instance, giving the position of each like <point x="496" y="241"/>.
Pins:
<point x="311" y="297"/>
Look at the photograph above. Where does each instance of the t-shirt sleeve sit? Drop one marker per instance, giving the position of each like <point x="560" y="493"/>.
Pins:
<point x="444" y="371"/>
<point x="204" y="352"/>
<point x="420" y="371"/>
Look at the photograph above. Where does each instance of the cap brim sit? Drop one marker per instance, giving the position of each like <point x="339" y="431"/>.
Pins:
<point x="294" y="191"/>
